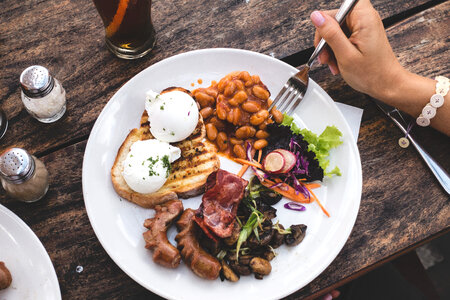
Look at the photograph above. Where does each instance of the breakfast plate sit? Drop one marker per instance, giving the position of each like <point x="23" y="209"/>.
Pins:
<point x="24" y="255"/>
<point x="118" y="223"/>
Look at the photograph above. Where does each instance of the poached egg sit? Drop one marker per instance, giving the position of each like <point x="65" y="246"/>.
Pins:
<point x="148" y="165"/>
<point x="173" y="116"/>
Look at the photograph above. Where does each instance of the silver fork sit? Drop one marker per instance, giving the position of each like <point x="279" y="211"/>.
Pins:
<point x="295" y="88"/>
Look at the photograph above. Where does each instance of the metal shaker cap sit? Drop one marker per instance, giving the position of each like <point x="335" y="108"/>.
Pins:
<point x="16" y="165"/>
<point x="36" y="81"/>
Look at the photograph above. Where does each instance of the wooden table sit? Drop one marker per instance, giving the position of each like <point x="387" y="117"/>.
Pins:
<point x="402" y="205"/>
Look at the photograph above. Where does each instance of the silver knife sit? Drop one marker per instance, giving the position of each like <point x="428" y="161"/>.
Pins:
<point x="395" y="115"/>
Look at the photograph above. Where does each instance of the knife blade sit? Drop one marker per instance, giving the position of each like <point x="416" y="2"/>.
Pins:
<point x="437" y="170"/>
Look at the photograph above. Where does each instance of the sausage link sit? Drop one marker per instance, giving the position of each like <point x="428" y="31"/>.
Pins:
<point x="198" y="260"/>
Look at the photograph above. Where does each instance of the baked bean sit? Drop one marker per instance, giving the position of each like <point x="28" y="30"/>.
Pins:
<point x="221" y="141"/>
<point x="256" y="79"/>
<point x="233" y="102"/>
<point x="206" y="112"/>
<point x="229" y="90"/>
<point x="245" y="132"/>
<point x="251" y="106"/>
<point x="259" y="144"/>
<point x="221" y="110"/>
<point x="256" y="120"/>
<point x="262" y="134"/>
<point x="245" y="76"/>
<point x="211" y="131"/>
<point x="222" y="84"/>
<point x="260" y="92"/>
<point x="240" y="97"/>
<point x="220" y="125"/>
<point x="236" y="115"/>
<point x="239" y="151"/>
<point x="236" y="141"/>
<point x="212" y="92"/>
<point x="239" y="85"/>
<point x="248" y="83"/>
<point x="230" y="117"/>
<point x="277" y="115"/>
<point x="263" y="113"/>
<point x="204" y="99"/>
<point x="263" y="125"/>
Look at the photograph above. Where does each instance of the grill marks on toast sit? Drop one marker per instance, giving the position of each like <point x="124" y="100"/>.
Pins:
<point x="188" y="175"/>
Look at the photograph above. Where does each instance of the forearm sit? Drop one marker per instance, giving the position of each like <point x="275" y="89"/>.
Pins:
<point x="410" y="93"/>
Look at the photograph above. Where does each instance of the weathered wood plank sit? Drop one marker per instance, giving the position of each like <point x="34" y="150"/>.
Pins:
<point x="401" y="203"/>
<point x="67" y="37"/>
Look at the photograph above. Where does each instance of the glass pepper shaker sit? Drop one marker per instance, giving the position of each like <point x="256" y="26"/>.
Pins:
<point x="42" y="95"/>
<point x="23" y="176"/>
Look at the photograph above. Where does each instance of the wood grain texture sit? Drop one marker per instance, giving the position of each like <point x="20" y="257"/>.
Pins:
<point x="67" y="37"/>
<point x="401" y="205"/>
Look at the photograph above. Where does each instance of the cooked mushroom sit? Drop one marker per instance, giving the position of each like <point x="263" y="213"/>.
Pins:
<point x="260" y="266"/>
<point x="268" y="255"/>
<point x="296" y="236"/>
<point x="269" y="197"/>
<point x="265" y="237"/>
<point x="234" y="234"/>
<point x="245" y="259"/>
<point x="228" y="272"/>
<point x="278" y="238"/>
<point x="240" y="269"/>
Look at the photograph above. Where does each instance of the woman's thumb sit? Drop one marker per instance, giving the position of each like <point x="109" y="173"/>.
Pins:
<point x="329" y="29"/>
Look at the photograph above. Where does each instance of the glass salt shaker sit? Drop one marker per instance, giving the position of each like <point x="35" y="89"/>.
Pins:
<point x="23" y="176"/>
<point x="42" y="95"/>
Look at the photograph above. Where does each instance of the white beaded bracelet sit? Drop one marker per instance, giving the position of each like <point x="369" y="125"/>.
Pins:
<point x="436" y="101"/>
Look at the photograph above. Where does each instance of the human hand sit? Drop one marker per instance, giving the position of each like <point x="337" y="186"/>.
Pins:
<point x="365" y="59"/>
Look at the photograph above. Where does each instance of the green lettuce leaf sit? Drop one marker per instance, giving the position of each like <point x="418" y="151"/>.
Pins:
<point x="321" y="145"/>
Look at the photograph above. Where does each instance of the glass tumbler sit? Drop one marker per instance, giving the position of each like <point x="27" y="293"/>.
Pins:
<point x="129" y="32"/>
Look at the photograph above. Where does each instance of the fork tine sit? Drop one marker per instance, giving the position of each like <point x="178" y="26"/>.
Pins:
<point x="278" y="97"/>
<point x="288" y="99"/>
<point x="296" y="101"/>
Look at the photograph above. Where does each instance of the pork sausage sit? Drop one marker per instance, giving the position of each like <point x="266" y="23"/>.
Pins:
<point x="5" y="276"/>
<point x="155" y="238"/>
<point x="198" y="260"/>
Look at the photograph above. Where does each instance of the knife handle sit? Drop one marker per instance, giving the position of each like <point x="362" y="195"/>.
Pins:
<point x="439" y="172"/>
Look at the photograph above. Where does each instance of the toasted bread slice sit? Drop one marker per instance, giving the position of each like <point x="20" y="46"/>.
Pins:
<point x="188" y="175"/>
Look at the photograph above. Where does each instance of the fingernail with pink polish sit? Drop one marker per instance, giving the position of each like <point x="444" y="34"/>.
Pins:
<point x="333" y="69"/>
<point x="317" y="18"/>
<point x="327" y="297"/>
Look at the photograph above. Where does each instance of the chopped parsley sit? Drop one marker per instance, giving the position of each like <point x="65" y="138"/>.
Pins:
<point x="172" y="133"/>
<point x="152" y="163"/>
<point x="166" y="164"/>
<point x="161" y="107"/>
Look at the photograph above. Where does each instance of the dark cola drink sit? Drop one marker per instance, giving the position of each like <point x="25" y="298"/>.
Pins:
<point x="128" y="26"/>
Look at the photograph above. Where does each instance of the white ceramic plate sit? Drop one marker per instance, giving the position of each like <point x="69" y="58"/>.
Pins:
<point x="24" y="255"/>
<point x="118" y="223"/>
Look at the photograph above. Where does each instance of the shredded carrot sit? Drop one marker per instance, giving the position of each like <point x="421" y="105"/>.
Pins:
<point x="290" y="193"/>
<point x="318" y="202"/>
<point x="117" y="19"/>
<point x="259" y="155"/>
<point x="250" y="163"/>
<point x="312" y="185"/>
<point x="242" y="170"/>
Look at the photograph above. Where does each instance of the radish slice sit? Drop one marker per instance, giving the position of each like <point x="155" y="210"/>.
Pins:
<point x="273" y="162"/>
<point x="289" y="160"/>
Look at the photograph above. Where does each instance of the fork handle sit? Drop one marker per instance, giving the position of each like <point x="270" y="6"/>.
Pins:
<point x="342" y="13"/>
